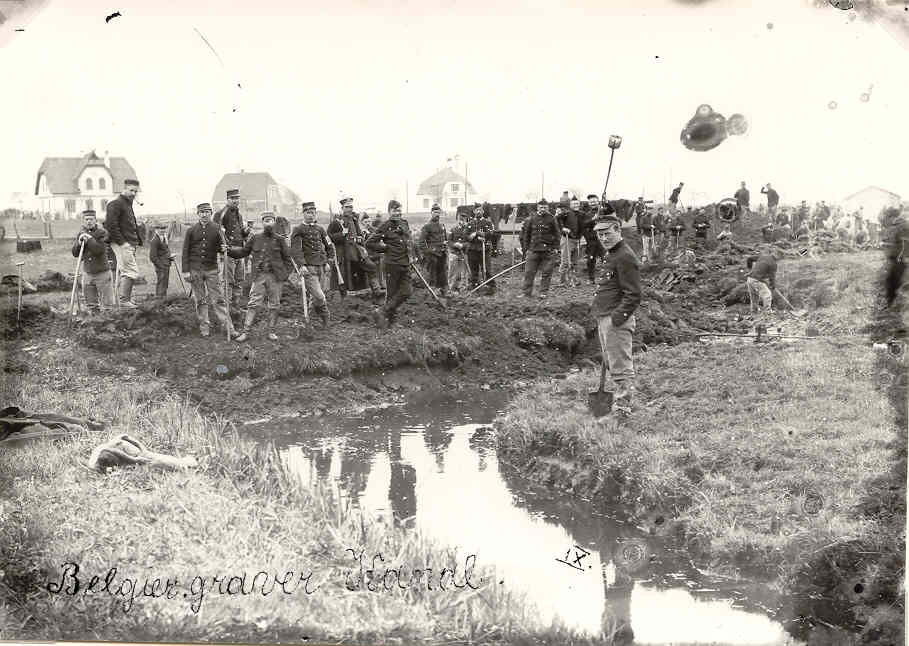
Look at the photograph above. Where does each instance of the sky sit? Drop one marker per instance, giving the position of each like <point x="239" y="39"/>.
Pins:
<point x="370" y="98"/>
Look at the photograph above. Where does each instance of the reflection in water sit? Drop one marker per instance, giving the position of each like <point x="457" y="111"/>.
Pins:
<point x="445" y="478"/>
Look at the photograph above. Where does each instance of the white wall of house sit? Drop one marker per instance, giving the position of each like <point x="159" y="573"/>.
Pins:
<point x="452" y="197"/>
<point x="71" y="205"/>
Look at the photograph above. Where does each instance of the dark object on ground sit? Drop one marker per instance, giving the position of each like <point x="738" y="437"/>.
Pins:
<point x="25" y="246"/>
<point x="53" y="281"/>
<point x="9" y="284"/>
<point x="13" y="419"/>
<point x="600" y="401"/>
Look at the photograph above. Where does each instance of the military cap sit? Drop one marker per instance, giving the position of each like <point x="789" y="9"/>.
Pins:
<point x="604" y="220"/>
<point x="88" y="212"/>
<point x="435" y="207"/>
<point x="202" y="208"/>
<point x="309" y="206"/>
<point x="346" y="199"/>
<point x="393" y="204"/>
<point x="542" y="202"/>
<point x="234" y="192"/>
<point x="592" y="196"/>
<point x="130" y="182"/>
<point x="268" y="215"/>
<point x="477" y="205"/>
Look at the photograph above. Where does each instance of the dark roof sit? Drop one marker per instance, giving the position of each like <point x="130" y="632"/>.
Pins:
<point x="63" y="172"/>
<point x="252" y="186"/>
<point x="444" y="176"/>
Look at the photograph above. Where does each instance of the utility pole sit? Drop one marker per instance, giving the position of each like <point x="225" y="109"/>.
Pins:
<point x="465" y="183"/>
<point x="406" y="197"/>
<point x="542" y="182"/>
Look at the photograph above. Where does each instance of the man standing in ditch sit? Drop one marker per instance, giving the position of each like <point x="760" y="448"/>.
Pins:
<point x="539" y="238"/>
<point x="393" y="239"/>
<point x="347" y="235"/>
<point x="458" y="272"/>
<point x="201" y="246"/>
<point x="96" y="287"/>
<point x="309" y="247"/>
<point x="229" y="219"/>
<point x="123" y="235"/>
<point x="479" y="232"/>
<point x="617" y="297"/>
<point x="570" y="224"/>
<point x="270" y="259"/>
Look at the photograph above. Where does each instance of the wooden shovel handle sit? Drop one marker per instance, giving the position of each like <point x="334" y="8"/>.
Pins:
<point x="603" y="376"/>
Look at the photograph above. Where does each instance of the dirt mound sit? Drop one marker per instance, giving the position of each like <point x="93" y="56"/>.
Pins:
<point x="548" y="332"/>
<point x="53" y="281"/>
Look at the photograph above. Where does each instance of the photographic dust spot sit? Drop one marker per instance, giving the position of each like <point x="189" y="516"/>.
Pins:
<point x="859" y="588"/>
<point x="832" y="105"/>
<point x="769" y="25"/>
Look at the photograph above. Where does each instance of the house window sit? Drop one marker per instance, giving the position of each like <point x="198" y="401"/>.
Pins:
<point x="70" y="206"/>
<point x="103" y="202"/>
<point x="88" y="183"/>
<point x="88" y="205"/>
<point x="453" y="201"/>
<point x="425" y="203"/>
<point x="455" y="187"/>
<point x="102" y="184"/>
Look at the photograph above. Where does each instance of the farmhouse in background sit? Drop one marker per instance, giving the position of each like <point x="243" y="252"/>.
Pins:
<point x="66" y="186"/>
<point x="445" y="187"/>
<point x="259" y="192"/>
<point x="872" y="200"/>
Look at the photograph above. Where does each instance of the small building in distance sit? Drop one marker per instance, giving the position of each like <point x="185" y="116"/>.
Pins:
<point x="66" y="186"/>
<point x="870" y="202"/>
<point x="259" y="192"/>
<point x="446" y="188"/>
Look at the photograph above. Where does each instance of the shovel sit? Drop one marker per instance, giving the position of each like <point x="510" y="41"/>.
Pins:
<point x="600" y="401"/>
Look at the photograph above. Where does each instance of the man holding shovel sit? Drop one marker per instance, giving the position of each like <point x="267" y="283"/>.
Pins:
<point x="96" y="287"/>
<point x="309" y="247"/>
<point x="394" y="240"/>
<point x="617" y="297"/>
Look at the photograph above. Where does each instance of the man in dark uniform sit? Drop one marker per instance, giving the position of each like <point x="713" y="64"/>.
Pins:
<point x="160" y="256"/>
<point x="458" y="272"/>
<point x="270" y="259"/>
<point x="201" y="245"/>
<point x="123" y="235"/>
<point x="309" y="247"/>
<point x="96" y="286"/>
<point x="743" y="199"/>
<point x="761" y="281"/>
<point x="767" y="232"/>
<point x="592" y="247"/>
<point x="676" y="228"/>
<point x="393" y="239"/>
<point x="229" y="219"/>
<point x="433" y="243"/>
<point x="570" y="225"/>
<point x="347" y="235"/>
<point x="479" y="228"/>
<point x="540" y="236"/>
<point x="660" y="222"/>
<point x="617" y="297"/>
<point x="895" y="232"/>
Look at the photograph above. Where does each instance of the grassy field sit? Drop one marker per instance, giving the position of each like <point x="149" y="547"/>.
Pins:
<point x="783" y="461"/>
<point x="240" y="511"/>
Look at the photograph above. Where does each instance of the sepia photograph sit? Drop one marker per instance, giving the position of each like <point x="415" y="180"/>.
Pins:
<point x="454" y="322"/>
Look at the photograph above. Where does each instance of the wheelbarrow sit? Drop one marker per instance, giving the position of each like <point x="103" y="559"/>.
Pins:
<point x="600" y="401"/>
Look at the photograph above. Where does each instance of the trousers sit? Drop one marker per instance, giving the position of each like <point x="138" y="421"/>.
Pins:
<point x="536" y="261"/>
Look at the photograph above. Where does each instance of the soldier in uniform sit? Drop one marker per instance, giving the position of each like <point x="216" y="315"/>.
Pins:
<point x="160" y="256"/>
<point x="478" y="230"/>
<point x="348" y="238"/>
<point x="433" y="243"/>
<point x="200" y="267"/>
<point x="123" y="236"/>
<point x="309" y="247"/>
<point x="570" y="225"/>
<point x="592" y="249"/>
<point x="270" y="258"/>
<point x="458" y="272"/>
<point x="230" y="220"/>
<point x="701" y="224"/>
<point x="677" y="227"/>
<point x="393" y="239"/>
<point x="96" y="285"/>
<point x="540" y="236"/>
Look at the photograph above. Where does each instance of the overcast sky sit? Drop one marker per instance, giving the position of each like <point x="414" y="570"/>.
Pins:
<point x="362" y="97"/>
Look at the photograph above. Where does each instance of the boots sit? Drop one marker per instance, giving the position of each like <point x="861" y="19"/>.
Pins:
<point x="126" y="290"/>
<point x="326" y="317"/>
<point x="247" y="325"/>
<point x="272" y="322"/>
<point x="380" y="319"/>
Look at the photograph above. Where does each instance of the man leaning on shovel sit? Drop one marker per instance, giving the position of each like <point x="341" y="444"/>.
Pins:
<point x="617" y="297"/>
